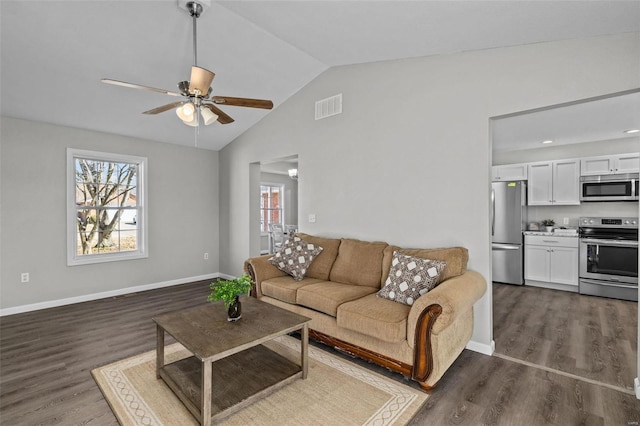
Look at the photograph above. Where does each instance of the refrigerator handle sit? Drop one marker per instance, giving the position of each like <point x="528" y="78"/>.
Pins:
<point x="493" y="211"/>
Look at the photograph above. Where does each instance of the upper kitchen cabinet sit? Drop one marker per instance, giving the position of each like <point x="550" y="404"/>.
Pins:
<point x="509" y="172"/>
<point x="610" y="164"/>
<point x="554" y="183"/>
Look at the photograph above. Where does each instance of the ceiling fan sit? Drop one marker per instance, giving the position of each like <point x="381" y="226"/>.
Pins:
<point x="197" y="90"/>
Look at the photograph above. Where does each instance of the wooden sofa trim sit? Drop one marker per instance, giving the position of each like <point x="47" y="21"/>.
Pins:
<point x="360" y="352"/>
<point x="422" y="350"/>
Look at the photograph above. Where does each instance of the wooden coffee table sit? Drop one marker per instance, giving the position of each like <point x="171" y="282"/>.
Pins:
<point x="230" y="368"/>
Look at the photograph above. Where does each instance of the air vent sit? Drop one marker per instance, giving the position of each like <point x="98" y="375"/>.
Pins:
<point x="329" y="106"/>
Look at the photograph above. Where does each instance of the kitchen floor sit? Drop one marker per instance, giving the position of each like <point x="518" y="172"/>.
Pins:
<point x="591" y="337"/>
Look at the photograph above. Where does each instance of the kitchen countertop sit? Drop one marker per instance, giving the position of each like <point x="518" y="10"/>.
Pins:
<point x="551" y="234"/>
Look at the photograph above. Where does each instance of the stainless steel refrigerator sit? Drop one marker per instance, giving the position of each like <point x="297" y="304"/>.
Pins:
<point x="509" y="218"/>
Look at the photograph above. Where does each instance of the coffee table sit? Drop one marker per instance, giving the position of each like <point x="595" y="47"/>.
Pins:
<point x="230" y="368"/>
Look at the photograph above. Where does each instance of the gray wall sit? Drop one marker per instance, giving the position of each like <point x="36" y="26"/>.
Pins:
<point x="408" y="161"/>
<point x="183" y="214"/>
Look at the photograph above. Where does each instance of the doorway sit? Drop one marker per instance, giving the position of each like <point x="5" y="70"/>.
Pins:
<point x="582" y="336"/>
<point x="278" y="200"/>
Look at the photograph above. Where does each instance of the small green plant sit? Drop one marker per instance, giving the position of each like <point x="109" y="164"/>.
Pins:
<point x="227" y="290"/>
<point x="548" y="222"/>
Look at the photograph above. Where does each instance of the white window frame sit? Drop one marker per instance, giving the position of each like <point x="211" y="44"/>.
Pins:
<point x="282" y="206"/>
<point x="73" y="258"/>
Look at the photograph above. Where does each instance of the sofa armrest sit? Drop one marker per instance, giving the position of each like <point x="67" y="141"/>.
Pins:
<point x="454" y="296"/>
<point x="260" y="270"/>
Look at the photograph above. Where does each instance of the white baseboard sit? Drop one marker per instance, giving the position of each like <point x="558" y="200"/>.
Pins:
<point x="482" y="348"/>
<point x="636" y="386"/>
<point x="105" y="294"/>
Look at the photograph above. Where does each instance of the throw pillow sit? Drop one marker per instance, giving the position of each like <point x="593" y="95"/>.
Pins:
<point x="411" y="277"/>
<point x="295" y="257"/>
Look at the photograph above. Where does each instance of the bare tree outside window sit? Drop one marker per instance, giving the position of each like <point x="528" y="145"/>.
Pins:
<point x="106" y="207"/>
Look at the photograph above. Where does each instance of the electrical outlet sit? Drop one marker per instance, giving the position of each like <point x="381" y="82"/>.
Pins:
<point x="565" y="221"/>
<point x="312" y="218"/>
<point x="206" y="256"/>
<point x="24" y="277"/>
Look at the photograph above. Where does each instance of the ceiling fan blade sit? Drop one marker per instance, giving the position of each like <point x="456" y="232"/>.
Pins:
<point x="164" y="108"/>
<point x="243" y="102"/>
<point x="222" y="117"/>
<point x="200" y="80"/>
<point x="137" y="86"/>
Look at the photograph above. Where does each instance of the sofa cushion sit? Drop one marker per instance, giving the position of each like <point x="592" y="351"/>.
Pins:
<point x="326" y="296"/>
<point x="411" y="277"/>
<point x="359" y="263"/>
<point x="321" y="266"/>
<point x="295" y="257"/>
<point x="455" y="257"/>
<point x="284" y="288"/>
<point x="375" y="317"/>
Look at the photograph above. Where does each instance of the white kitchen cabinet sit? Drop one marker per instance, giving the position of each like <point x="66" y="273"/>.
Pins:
<point x="509" y="172"/>
<point x="610" y="164"/>
<point x="551" y="262"/>
<point x="554" y="183"/>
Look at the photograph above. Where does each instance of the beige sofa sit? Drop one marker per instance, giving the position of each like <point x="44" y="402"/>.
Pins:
<point x="338" y="293"/>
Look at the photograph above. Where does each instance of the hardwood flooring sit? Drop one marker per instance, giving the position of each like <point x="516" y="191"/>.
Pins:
<point x="591" y="337"/>
<point x="46" y="358"/>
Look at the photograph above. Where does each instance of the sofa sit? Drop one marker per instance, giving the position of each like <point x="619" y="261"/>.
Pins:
<point x="339" y="291"/>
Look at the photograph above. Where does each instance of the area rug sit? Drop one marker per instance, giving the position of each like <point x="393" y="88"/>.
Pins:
<point x="336" y="392"/>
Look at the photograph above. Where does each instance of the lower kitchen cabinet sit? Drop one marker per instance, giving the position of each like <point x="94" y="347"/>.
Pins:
<point x="551" y="262"/>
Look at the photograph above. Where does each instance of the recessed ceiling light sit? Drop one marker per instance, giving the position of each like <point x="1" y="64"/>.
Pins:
<point x="547" y="141"/>
<point x="632" y="131"/>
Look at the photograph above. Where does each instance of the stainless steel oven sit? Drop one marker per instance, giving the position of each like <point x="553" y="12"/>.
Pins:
<point x="609" y="257"/>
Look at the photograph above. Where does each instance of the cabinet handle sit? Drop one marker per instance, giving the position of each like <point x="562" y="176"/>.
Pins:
<point x="550" y="241"/>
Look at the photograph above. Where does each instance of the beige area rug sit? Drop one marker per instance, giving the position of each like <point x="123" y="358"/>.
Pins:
<point x="336" y="392"/>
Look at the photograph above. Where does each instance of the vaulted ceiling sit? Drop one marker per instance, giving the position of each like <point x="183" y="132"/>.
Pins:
<point x="54" y="53"/>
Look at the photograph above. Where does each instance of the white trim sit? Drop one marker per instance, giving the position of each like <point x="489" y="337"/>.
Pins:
<point x="636" y="386"/>
<point x="105" y="294"/>
<point x="482" y="348"/>
<point x="73" y="259"/>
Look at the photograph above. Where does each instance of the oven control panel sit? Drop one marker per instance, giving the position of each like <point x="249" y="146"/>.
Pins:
<point x="609" y="222"/>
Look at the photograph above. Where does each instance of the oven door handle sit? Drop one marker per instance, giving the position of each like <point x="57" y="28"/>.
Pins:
<point x="609" y="242"/>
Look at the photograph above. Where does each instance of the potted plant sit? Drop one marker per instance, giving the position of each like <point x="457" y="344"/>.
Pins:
<point x="229" y="292"/>
<point x="548" y="224"/>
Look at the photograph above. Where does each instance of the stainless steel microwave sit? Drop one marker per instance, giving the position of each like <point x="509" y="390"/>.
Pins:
<point x="609" y="187"/>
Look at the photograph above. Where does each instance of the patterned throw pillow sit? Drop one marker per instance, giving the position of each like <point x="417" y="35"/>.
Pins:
<point x="295" y="257"/>
<point x="411" y="277"/>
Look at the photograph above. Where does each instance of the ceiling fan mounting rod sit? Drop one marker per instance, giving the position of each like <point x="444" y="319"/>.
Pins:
<point x="195" y="10"/>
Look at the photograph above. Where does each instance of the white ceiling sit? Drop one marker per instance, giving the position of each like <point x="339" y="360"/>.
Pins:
<point x="54" y="53"/>
<point x="588" y="121"/>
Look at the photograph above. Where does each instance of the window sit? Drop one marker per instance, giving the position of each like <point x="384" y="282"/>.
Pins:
<point x="270" y="205"/>
<point x="106" y="207"/>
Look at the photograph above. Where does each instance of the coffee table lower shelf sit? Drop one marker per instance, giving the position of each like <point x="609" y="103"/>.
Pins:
<point x="237" y="380"/>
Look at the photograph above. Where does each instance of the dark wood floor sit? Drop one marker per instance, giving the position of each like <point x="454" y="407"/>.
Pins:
<point x="46" y="358"/>
<point x="591" y="337"/>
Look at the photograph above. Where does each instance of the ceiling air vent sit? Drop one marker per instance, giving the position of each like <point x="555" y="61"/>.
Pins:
<point x="329" y="106"/>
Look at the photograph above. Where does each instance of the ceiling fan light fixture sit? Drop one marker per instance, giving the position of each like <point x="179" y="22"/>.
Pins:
<point x="193" y="122"/>
<point x="186" y="112"/>
<point x="208" y="116"/>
